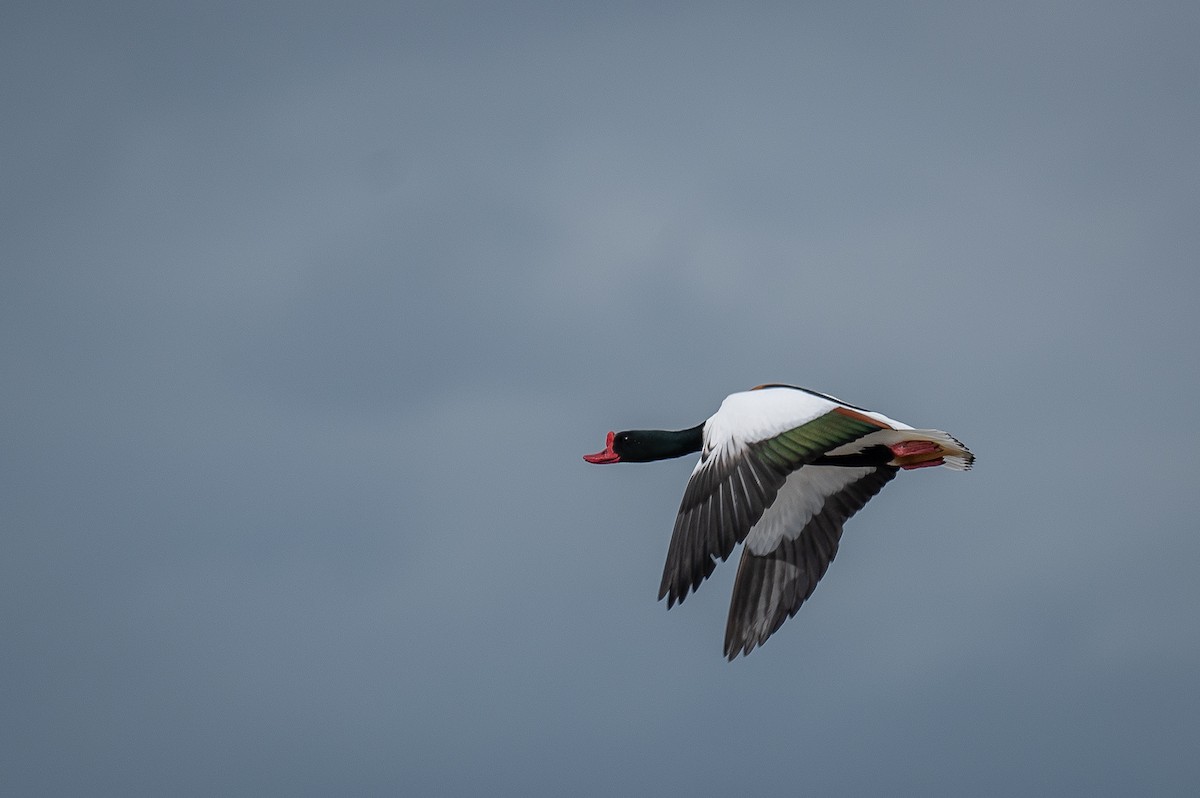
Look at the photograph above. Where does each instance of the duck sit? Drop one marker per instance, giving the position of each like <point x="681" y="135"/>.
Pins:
<point x="781" y="469"/>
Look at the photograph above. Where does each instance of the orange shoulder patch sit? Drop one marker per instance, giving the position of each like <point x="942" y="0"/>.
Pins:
<point x="857" y="416"/>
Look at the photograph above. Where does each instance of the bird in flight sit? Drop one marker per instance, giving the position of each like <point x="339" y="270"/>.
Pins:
<point x="781" y="469"/>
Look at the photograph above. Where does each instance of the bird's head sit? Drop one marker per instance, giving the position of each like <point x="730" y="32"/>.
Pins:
<point x="646" y="445"/>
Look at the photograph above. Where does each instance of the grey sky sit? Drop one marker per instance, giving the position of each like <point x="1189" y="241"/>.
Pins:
<point x="308" y="312"/>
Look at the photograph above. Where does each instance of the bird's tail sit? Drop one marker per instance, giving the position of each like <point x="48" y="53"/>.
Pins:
<point x="915" y="450"/>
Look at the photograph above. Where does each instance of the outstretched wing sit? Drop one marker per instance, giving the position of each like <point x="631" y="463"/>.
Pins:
<point x="741" y="470"/>
<point x="788" y="553"/>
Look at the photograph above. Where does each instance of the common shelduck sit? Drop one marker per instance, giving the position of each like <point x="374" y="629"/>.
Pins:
<point x="781" y="469"/>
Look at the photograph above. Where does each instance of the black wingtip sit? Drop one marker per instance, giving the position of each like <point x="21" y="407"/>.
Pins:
<point x="672" y="596"/>
<point x="742" y="649"/>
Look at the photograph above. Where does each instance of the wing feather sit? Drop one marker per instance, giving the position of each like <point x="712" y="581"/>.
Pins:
<point x="734" y="483"/>
<point x="770" y="587"/>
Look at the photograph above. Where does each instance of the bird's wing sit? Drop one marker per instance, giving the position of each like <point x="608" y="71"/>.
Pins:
<point x="751" y="445"/>
<point x="788" y="551"/>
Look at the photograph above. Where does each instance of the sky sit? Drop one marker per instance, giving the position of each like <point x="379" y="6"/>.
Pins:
<point x="309" y="310"/>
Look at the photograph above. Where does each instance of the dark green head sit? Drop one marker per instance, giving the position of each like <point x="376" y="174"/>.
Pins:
<point x="647" y="445"/>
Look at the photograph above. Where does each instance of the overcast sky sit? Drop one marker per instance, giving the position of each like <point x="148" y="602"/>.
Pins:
<point x="308" y="311"/>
